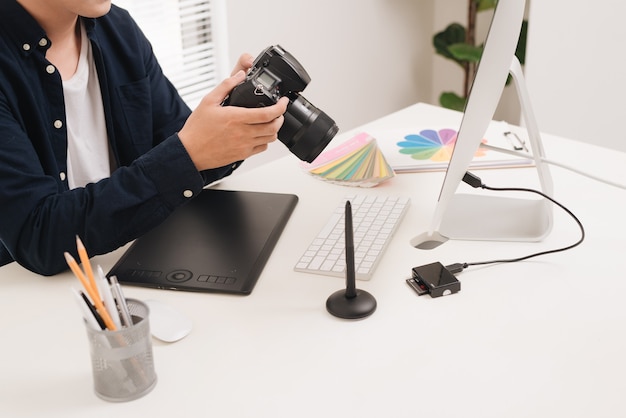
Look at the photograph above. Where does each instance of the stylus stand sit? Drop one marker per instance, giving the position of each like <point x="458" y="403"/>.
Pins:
<point x="360" y="306"/>
<point x="488" y="218"/>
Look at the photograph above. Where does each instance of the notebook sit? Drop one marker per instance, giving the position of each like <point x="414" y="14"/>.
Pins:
<point x="218" y="242"/>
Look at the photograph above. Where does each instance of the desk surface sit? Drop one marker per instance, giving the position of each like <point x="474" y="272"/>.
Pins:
<point x="541" y="338"/>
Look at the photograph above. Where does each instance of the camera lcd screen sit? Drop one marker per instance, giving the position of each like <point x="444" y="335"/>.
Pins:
<point x="266" y="79"/>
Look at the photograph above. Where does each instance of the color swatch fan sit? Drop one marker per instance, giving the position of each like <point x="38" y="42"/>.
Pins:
<point x="430" y="149"/>
<point x="356" y="162"/>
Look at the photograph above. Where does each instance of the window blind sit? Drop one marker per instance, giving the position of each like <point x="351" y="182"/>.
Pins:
<point x="183" y="37"/>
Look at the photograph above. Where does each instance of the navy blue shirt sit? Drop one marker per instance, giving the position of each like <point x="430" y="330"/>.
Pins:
<point x="40" y="216"/>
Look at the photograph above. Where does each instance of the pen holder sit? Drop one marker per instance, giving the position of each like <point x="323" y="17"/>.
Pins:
<point x="122" y="361"/>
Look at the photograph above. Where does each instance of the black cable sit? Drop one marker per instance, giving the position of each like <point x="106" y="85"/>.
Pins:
<point x="475" y="182"/>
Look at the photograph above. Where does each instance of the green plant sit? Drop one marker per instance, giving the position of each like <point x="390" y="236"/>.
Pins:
<point x="459" y="44"/>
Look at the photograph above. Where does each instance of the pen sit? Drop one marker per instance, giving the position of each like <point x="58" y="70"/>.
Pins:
<point x="116" y="289"/>
<point x="107" y="296"/>
<point x="88" y="314"/>
<point x="93" y="311"/>
<point x="90" y="291"/>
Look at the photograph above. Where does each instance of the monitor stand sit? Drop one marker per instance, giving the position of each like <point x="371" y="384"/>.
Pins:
<point x="490" y="218"/>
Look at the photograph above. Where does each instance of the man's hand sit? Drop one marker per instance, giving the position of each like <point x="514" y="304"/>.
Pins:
<point x="244" y="63"/>
<point x="216" y="135"/>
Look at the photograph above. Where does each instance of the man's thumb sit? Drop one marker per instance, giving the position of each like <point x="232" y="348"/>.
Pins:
<point x="223" y="89"/>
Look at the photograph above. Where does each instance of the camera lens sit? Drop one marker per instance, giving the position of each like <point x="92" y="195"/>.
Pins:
<point x="306" y="130"/>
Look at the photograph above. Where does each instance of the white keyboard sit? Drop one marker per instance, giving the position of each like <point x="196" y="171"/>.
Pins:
<point x="374" y="219"/>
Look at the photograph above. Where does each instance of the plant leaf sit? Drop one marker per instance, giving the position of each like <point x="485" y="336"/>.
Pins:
<point x="451" y="100"/>
<point x="486" y="4"/>
<point x="520" y="52"/>
<point x="466" y="52"/>
<point x="453" y="34"/>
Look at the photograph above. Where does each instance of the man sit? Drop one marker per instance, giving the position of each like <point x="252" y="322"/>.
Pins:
<point x="94" y="140"/>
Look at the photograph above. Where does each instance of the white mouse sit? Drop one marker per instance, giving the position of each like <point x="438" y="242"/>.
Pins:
<point x="166" y="323"/>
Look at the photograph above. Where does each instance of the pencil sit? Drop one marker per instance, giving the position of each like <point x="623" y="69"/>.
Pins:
<point x="96" y="300"/>
<point x="84" y="259"/>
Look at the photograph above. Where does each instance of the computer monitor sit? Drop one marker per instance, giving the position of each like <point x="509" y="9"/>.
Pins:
<point x="477" y="216"/>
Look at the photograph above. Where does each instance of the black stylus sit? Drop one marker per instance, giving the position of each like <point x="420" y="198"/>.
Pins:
<point x="350" y="303"/>
<point x="350" y="273"/>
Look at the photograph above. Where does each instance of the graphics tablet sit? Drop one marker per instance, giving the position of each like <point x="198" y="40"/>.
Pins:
<point x="218" y="242"/>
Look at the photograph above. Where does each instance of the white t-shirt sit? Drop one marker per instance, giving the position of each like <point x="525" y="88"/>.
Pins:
<point x="88" y="146"/>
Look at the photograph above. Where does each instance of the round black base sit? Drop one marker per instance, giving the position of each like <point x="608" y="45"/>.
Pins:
<point x="360" y="306"/>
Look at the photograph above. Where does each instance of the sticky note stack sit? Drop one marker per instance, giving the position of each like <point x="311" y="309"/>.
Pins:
<point x="356" y="162"/>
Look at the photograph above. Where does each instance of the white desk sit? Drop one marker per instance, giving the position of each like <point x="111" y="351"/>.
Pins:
<point x="541" y="338"/>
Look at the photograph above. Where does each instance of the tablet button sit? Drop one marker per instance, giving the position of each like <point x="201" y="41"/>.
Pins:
<point x="179" y="276"/>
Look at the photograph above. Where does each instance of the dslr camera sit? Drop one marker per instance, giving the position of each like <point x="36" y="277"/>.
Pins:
<point x="276" y="73"/>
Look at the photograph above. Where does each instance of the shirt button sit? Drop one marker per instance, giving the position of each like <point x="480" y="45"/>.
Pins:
<point x="58" y="124"/>
<point x="50" y="69"/>
<point x="43" y="42"/>
<point x="26" y="47"/>
<point x="187" y="193"/>
<point x="62" y="176"/>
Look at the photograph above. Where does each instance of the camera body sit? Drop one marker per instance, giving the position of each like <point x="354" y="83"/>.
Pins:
<point x="275" y="73"/>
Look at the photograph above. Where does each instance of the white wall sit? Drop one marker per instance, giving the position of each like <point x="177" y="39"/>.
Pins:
<point x="575" y="69"/>
<point x="366" y="58"/>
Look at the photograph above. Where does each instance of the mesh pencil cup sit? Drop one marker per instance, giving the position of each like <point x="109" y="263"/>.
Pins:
<point x="122" y="361"/>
